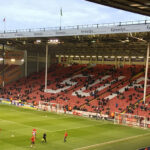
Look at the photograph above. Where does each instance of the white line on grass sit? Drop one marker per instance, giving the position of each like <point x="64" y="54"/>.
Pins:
<point x="110" y="142"/>
<point x="55" y="130"/>
<point x="76" y="128"/>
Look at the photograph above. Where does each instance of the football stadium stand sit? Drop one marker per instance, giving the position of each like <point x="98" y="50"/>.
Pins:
<point x="99" y="88"/>
<point x="96" y="68"/>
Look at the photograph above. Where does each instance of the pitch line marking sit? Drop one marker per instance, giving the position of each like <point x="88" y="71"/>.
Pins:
<point x="76" y="128"/>
<point x="55" y="130"/>
<point x="110" y="142"/>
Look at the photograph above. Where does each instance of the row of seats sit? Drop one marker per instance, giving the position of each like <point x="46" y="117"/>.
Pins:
<point x="97" y="88"/>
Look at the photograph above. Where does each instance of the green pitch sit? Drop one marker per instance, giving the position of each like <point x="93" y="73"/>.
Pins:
<point x="83" y="133"/>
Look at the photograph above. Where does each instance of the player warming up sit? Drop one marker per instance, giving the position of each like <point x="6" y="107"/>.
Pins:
<point x="44" y="138"/>
<point x="34" y="132"/>
<point x="65" y="136"/>
<point x="32" y="141"/>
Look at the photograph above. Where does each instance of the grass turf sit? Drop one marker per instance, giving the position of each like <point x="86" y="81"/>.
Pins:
<point x="83" y="133"/>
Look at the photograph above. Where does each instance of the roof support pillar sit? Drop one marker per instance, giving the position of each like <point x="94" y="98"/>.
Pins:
<point x="37" y="65"/>
<point x="46" y="63"/>
<point x="25" y="63"/>
<point x="3" y="76"/>
<point x="146" y="73"/>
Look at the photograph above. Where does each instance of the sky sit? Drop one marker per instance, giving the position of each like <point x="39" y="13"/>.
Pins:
<point x="25" y="14"/>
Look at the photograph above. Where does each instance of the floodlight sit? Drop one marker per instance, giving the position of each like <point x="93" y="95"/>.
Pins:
<point x="13" y="60"/>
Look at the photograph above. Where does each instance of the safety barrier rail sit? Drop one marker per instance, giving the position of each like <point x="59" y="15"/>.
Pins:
<point x="79" y="26"/>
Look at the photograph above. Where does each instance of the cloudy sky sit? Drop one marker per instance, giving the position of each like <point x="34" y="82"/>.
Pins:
<point x="22" y="14"/>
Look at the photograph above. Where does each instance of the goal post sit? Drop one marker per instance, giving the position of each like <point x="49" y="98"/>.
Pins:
<point x="130" y="120"/>
<point x="51" y="107"/>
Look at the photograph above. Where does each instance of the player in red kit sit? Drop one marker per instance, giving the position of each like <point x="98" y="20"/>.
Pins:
<point x="65" y="136"/>
<point x="34" y="132"/>
<point x="32" y="141"/>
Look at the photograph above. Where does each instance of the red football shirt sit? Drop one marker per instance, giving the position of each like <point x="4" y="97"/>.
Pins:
<point x="66" y="134"/>
<point x="33" y="139"/>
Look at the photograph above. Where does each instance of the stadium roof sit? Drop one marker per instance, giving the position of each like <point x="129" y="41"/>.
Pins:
<point x="124" y="44"/>
<point x="123" y="39"/>
<point x="137" y="6"/>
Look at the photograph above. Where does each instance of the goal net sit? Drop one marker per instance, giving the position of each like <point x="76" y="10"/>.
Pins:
<point x="51" y="107"/>
<point x="130" y="120"/>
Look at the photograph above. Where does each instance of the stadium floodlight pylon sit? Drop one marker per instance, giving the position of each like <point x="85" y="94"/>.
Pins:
<point x="146" y="73"/>
<point x="130" y="120"/>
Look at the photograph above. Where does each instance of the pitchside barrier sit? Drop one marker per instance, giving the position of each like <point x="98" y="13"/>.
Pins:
<point x="59" y="108"/>
<point x="53" y="107"/>
<point x="17" y="103"/>
<point x="119" y="118"/>
<point x="131" y="120"/>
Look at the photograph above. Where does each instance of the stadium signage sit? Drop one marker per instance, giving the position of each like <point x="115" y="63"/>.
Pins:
<point x="79" y="31"/>
<point x="148" y="27"/>
<point x="1" y="35"/>
<point x="19" y="34"/>
<point x="36" y="34"/>
<point x="118" y="29"/>
<point x="87" y="31"/>
<point x="60" y="32"/>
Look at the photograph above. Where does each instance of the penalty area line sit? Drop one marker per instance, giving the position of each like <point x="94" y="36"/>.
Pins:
<point x="110" y="142"/>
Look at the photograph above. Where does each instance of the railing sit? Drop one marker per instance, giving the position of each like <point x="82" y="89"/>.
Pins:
<point x="79" y="26"/>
